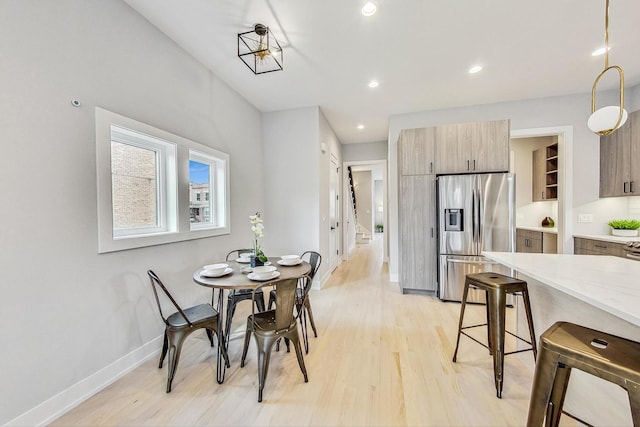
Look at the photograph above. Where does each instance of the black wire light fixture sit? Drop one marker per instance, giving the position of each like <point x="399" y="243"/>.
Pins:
<point x="260" y="50"/>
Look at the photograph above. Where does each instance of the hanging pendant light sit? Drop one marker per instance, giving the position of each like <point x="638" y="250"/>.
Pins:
<point x="607" y="120"/>
<point x="260" y="50"/>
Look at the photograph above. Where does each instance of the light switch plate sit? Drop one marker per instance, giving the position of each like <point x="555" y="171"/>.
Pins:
<point x="585" y="217"/>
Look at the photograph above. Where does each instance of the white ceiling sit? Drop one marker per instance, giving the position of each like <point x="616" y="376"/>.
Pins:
<point x="419" y="51"/>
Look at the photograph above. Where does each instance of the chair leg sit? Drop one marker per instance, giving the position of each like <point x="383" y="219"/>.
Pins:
<point x="231" y="308"/>
<point x="247" y="336"/>
<point x="210" y="335"/>
<point x="296" y="344"/>
<point x="260" y="303"/>
<point x="497" y="305"/>
<point x="543" y="379"/>
<point x="223" y="346"/>
<point x="634" y="400"/>
<point x="307" y="305"/>
<point x="558" y="392"/>
<point x="462" y="308"/>
<point x="175" y="348"/>
<point x="165" y="346"/>
<point x="527" y="309"/>
<point x="264" y="346"/>
<point x="303" y="326"/>
<point x="272" y="300"/>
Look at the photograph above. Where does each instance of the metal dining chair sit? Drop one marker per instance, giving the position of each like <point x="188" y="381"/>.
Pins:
<point x="237" y="295"/>
<point x="303" y="304"/>
<point x="269" y="326"/>
<point x="181" y="324"/>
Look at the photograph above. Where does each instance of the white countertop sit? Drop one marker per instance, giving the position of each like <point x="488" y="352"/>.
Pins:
<point x="608" y="238"/>
<point x="607" y="282"/>
<point x="552" y="230"/>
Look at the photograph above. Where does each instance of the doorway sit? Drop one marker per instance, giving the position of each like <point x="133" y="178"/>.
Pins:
<point x="375" y="206"/>
<point x="563" y="136"/>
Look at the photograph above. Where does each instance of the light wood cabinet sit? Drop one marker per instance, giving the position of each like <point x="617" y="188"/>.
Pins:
<point x="582" y="246"/>
<point x="620" y="160"/>
<point x="545" y="173"/>
<point x="532" y="241"/>
<point x="416" y="151"/>
<point x="472" y="147"/>
<point x="417" y="233"/>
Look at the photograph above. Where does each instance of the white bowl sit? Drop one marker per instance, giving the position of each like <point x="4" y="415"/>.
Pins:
<point x="264" y="271"/>
<point x="215" y="269"/>
<point x="246" y="255"/>
<point x="290" y="258"/>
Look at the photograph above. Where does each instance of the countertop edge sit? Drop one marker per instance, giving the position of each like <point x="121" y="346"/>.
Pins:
<point x="550" y="230"/>
<point x="607" y="238"/>
<point x="538" y="274"/>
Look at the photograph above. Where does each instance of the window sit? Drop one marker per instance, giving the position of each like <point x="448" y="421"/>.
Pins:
<point x="150" y="186"/>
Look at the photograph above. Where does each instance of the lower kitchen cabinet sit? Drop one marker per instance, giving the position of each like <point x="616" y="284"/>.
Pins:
<point x="417" y="233"/>
<point x="536" y="241"/>
<point x="582" y="246"/>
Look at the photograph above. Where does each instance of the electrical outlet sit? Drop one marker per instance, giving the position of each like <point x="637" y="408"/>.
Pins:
<point x="585" y="217"/>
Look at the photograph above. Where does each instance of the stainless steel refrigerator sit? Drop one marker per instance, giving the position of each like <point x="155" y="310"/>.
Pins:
<point x="475" y="213"/>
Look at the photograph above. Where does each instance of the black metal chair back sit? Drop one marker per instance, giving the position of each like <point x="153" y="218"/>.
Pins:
<point x="157" y="283"/>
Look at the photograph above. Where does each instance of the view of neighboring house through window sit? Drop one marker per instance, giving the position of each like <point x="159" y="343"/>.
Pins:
<point x="143" y="190"/>
<point x="141" y="167"/>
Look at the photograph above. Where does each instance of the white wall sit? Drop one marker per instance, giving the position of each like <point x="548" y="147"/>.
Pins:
<point x="365" y="151"/>
<point x="527" y="114"/>
<point x="296" y="182"/>
<point x="364" y="200"/>
<point x="73" y="319"/>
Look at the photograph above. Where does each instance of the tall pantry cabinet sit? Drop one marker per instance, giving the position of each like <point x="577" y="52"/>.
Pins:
<point x="417" y="213"/>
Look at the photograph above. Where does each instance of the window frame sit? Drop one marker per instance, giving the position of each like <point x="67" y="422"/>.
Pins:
<point x="181" y="229"/>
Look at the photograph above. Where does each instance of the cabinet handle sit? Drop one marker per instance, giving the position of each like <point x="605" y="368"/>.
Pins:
<point x="624" y="187"/>
<point x="432" y="232"/>
<point x="631" y="187"/>
<point x="601" y="246"/>
<point x="474" y="164"/>
<point x="468" y="165"/>
<point x="542" y="195"/>
<point x="431" y="167"/>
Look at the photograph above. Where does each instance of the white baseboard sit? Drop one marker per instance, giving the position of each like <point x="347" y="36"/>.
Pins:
<point x="58" y="405"/>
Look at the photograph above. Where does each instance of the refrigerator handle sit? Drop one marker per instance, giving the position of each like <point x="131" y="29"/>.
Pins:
<point x="476" y="219"/>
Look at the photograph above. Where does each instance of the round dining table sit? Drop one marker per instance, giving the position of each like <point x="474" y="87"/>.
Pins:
<point x="238" y="279"/>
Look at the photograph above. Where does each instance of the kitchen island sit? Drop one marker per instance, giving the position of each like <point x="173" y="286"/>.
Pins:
<point x="599" y="292"/>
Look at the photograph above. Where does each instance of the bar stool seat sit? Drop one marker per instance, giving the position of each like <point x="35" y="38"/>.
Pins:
<point x="565" y="346"/>
<point x="496" y="287"/>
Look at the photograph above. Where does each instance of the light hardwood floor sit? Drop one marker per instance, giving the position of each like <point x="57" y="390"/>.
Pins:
<point x="380" y="358"/>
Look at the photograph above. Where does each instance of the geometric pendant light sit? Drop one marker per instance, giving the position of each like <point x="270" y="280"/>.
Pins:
<point x="260" y="50"/>
<point x="607" y="120"/>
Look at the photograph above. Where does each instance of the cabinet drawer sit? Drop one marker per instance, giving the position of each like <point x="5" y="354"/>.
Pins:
<point x="597" y="247"/>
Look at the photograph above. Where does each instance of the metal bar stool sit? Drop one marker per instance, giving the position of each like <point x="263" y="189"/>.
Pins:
<point x="565" y="346"/>
<point x="496" y="287"/>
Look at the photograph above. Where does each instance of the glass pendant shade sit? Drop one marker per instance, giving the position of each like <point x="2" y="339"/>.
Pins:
<point x="606" y="118"/>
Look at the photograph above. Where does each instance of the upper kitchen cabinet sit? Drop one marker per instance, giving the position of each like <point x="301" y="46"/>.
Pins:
<point x="620" y="160"/>
<point x="472" y="147"/>
<point x="416" y="151"/>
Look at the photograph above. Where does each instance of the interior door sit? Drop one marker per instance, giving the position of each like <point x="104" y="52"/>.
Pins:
<point x="334" y="214"/>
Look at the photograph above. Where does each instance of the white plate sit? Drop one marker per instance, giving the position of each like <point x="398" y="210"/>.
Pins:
<point x="273" y="275"/>
<point x="224" y="273"/>
<point x="243" y="260"/>
<point x="288" y="263"/>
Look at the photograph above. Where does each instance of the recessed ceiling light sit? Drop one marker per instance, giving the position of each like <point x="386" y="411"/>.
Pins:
<point x="600" y="51"/>
<point x="475" y="69"/>
<point x="373" y="83"/>
<point x="360" y="127"/>
<point x="369" y="8"/>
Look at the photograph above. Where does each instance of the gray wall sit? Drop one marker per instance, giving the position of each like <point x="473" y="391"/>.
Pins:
<point x="72" y="319"/>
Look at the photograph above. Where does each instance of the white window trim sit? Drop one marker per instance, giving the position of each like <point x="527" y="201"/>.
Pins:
<point x="218" y="177"/>
<point x="106" y="241"/>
